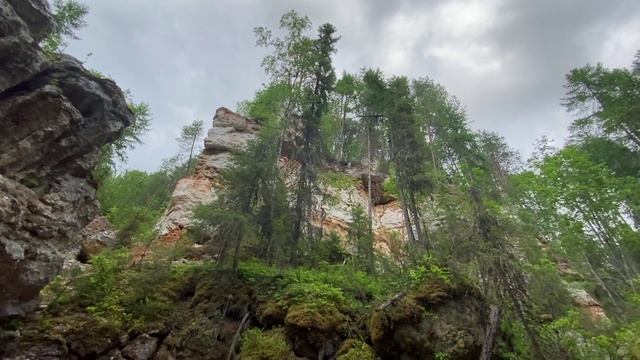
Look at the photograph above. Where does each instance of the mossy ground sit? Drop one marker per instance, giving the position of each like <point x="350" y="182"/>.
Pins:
<point x="196" y="309"/>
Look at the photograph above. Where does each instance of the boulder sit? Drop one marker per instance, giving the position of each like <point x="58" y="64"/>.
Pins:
<point x="98" y="235"/>
<point x="586" y="302"/>
<point x="141" y="348"/>
<point x="438" y="318"/>
<point x="230" y="132"/>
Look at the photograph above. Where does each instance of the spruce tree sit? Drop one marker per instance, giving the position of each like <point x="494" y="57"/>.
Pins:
<point x="316" y="100"/>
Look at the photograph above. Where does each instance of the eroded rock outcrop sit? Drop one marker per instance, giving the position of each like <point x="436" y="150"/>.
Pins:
<point x="231" y="132"/>
<point x="55" y="117"/>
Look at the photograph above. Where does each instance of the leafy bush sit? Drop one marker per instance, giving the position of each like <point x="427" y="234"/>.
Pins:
<point x="336" y="285"/>
<point x="257" y="270"/>
<point x="428" y="268"/>
<point x="116" y="289"/>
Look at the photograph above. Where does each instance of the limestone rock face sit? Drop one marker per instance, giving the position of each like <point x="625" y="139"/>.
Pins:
<point x="54" y="119"/>
<point x="229" y="132"/>
<point x="586" y="302"/>
<point x="189" y="193"/>
<point x="387" y="218"/>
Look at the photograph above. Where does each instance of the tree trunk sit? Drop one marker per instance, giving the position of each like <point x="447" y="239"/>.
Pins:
<point x="370" y="202"/>
<point x="416" y="219"/>
<point x="297" y="225"/>
<point x="632" y="134"/>
<point x="340" y="149"/>
<point x="490" y="333"/>
<point x="236" y="337"/>
<point x="405" y="216"/>
<point x="193" y="143"/>
<point x="236" y="252"/>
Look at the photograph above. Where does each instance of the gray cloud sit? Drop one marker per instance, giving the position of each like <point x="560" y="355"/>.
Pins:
<point x="504" y="59"/>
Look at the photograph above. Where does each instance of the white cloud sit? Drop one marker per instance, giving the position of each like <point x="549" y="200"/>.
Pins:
<point x="504" y="59"/>
<point x="621" y="44"/>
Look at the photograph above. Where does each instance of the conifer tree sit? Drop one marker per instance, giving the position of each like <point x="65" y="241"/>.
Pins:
<point x="408" y="153"/>
<point x="372" y="99"/>
<point x="316" y="100"/>
<point x="188" y="139"/>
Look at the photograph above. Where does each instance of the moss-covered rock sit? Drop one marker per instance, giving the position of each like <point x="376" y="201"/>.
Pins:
<point x="438" y="318"/>
<point x="404" y="310"/>
<point x="68" y="335"/>
<point x="305" y="317"/>
<point x="271" y="314"/>
<point x="352" y="349"/>
<point x="314" y="330"/>
<point x="265" y="345"/>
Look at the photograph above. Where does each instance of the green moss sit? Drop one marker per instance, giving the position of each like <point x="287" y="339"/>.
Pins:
<point x="84" y="334"/>
<point x="635" y="350"/>
<point x="355" y="350"/>
<point x="271" y="313"/>
<point x="433" y="291"/>
<point x="404" y="310"/>
<point x="264" y="345"/>
<point x="324" y="319"/>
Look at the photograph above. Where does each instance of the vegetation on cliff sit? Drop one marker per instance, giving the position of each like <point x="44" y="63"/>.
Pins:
<point x="497" y="259"/>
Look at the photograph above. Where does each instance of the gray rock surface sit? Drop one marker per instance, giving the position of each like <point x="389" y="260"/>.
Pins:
<point x="98" y="235"/>
<point x="141" y="348"/>
<point x="230" y="132"/>
<point x="54" y="118"/>
<point x="23" y="23"/>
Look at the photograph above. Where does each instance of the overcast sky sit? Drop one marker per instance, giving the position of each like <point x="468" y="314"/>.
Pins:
<point x="504" y="59"/>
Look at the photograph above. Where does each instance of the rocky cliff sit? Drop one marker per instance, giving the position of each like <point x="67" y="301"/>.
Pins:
<point x="55" y="117"/>
<point x="231" y="132"/>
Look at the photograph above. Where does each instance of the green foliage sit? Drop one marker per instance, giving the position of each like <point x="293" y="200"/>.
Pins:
<point x="606" y="101"/>
<point x="360" y="237"/>
<point x="188" y="141"/>
<point x="315" y="295"/>
<point x="582" y="339"/>
<point x="269" y="104"/>
<point x="257" y="270"/>
<point x="124" y="293"/>
<point x="115" y="152"/>
<point x="359" y="351"/>
<point x="134" y="201"/>
<point x="335" y="286"/>
<point x="264" y="345"/>
<point x="337" y="180"/>
<point x="68" y="17"/>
